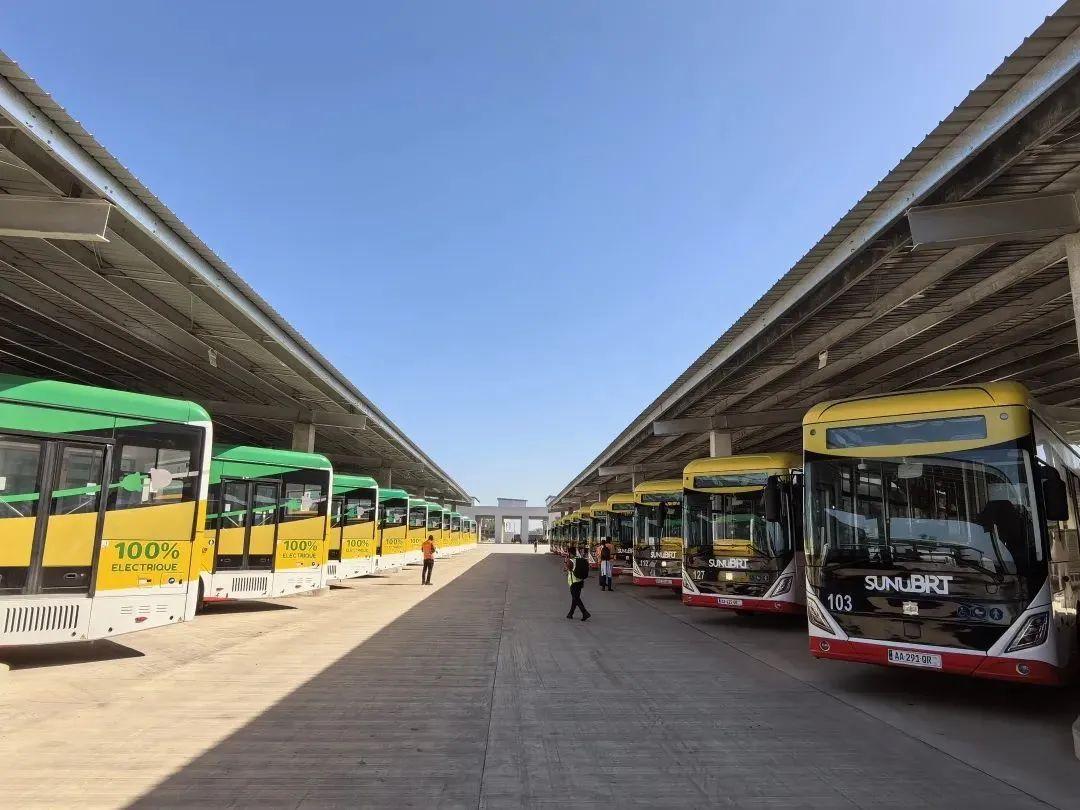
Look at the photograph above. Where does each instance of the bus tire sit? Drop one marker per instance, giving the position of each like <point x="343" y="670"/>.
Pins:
<point x="200" y="600"/>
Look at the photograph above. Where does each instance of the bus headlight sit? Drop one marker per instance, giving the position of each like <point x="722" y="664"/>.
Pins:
<point x="1032" y="633"/>
<point x="782" y="586"/>
<point x="815" y="617"/>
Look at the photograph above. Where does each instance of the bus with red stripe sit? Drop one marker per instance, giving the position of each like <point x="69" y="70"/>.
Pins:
<point x="658" y="533"/>
<point x="941" y="533"/>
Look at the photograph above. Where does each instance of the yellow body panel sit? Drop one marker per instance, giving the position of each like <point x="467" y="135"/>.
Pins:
<point x="302" y="546"/>
<point x="230" y="541"/>
<point x="69" y="539"/>
<point x="393" y="540"/>
<point x="357" y="541"/>
<point x="16" y="540"/>
<point x="261" y="540"/>
<point x="172" y="521"/>
<point x="144" y="551"/>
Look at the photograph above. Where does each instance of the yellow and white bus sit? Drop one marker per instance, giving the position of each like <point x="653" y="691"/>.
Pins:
<point x="434" y="524"/>
<point x="352" y="546"/>
<point x="101" y="496"/>
<point x="941" y="531"/>
<point x="742" y="533"/>
<point x="393" y="527"/>
<point x="658" y="533"/>
<point x="620" y="516"/>
<point x="267" y="520"/>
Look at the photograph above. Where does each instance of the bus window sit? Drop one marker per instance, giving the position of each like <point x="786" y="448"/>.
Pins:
<point x="154" y="465"/>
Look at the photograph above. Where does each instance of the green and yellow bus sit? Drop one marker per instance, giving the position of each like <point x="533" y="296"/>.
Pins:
<point x="742" y="533"/>
<point x="393" y="528"/>
<point x="267" y="522"/>
<point x="455" y="530"/>
<point x="352" y="547"/>
<point x="417" y="531"/>
<point x="941" y="533"/>
<point x="658" y="533"/>
<point x="434" y="524"/>
<point x="102" y="495"/>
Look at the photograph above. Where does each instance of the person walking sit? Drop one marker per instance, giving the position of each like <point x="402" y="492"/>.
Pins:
<point x="536" y="543"/>
<point x="607" y="554"/>
<point x="577" y="571"/>
<point x="429" y="560"/>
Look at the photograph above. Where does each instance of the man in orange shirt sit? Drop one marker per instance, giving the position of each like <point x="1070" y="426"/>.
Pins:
<point x="429" y="560"/>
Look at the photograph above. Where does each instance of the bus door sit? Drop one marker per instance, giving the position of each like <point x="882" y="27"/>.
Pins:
<point x="338" y="519"/>
<point x="247" y="525"/>
<point x="50" y="545"/>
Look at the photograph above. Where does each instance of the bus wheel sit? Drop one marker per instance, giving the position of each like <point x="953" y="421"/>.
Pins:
<point x="200" y="600"/>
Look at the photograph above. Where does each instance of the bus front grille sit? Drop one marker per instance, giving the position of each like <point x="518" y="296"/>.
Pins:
<point x="39" y="618"/>
<point x="249" y="584"/>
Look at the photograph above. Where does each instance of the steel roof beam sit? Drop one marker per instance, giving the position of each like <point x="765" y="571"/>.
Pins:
<point x="49" y="218"/>
<point x="727" y="421"/>
<point x="278" y="414"/>
<point x="995" y="219"/>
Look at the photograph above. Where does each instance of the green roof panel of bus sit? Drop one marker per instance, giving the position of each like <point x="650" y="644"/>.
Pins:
<point x="344" y="483"/>
<point x="55" y="393"/>
<point x="285" y="459"/>
<point x="390" y="494"/>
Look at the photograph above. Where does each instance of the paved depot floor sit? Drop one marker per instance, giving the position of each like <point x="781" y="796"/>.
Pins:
<point x="478" y="693"/>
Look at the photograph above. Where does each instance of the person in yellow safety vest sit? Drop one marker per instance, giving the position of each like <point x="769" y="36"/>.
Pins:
<point x="577" y="571"/>
<point x="429" y="560"/>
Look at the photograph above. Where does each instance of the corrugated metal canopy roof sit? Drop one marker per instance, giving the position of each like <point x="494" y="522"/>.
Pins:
<point x="890" y="316"/>
<point x="154" y="310"/>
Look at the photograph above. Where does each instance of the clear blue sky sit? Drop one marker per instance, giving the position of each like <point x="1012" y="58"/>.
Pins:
<point x="558" y="204"/>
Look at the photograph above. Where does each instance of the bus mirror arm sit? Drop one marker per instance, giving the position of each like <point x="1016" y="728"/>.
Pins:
<point x="1055" y="499"/>
<point x="772" y="499"/>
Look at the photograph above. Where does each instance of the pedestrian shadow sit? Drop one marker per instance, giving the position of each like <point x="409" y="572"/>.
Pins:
<point x="398" y="721"/>
<point x="59" y="655"/>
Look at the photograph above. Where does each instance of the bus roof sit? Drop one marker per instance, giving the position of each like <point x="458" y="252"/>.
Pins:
<point x="271" y="457"/>
<point x="984" y="395"/>
<point x="392" y="494"/>
<point x="747" y="463"/>
<point x="659" y="485"/>
<point x="346" y="482"/>
<point x="55" y="393"/>
<point x="620" y="497"/>
<point x="435" y="507"/>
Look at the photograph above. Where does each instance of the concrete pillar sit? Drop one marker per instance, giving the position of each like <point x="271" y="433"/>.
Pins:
<point x="635" y="479"/>
<point x="1072" y="253"/>
<point x="499" y="526"/>
<point x="385" y="477"/>
<point x="303" y="437"/>
<point x="719" y="443"/>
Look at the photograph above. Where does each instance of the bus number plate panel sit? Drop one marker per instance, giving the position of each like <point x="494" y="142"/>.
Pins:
<point x="915" y="659"/>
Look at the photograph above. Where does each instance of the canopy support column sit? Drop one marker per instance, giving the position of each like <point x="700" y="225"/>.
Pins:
<point x="303" y="437"/>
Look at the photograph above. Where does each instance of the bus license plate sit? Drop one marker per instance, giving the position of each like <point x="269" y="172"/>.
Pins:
<point x="728" y="602"/>
<point x="915" y="659"/>
<point x="663" y="581"/>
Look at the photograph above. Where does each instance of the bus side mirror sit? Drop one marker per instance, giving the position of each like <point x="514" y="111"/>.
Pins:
<point x="1055" y="499"/>
<point x="772" y="499"/>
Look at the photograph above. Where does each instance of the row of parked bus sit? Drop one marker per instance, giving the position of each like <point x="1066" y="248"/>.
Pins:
<point x="932" y="529"/>
<point x="119" y="513"/>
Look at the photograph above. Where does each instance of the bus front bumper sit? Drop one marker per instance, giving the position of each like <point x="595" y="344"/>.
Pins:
<point x="743" y="603"/>
<point x="976" y="665"/>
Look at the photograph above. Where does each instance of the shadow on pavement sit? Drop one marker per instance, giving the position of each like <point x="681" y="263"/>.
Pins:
<point x="398" y="721"/>
<point x="58" y="655"/>
<point x="227" y="608"/>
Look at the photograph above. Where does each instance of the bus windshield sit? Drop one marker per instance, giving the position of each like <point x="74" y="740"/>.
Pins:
<point x="733" y="523"/>
<point x="656" y="521"/>
<point x="970" y="510"/>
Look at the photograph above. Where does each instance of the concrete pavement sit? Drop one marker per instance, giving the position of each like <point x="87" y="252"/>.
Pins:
<point x="478" y="693"/>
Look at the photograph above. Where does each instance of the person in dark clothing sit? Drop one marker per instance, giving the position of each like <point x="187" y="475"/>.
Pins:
<point x="607" y="554"/>
<point x="575" y="578"/>
<point x="536" y="543"/>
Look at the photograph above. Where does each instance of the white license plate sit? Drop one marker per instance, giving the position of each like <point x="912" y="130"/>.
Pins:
<point x="662" y="581"/>
<point x="729" y="602"/>
<point x="915" y="659"/>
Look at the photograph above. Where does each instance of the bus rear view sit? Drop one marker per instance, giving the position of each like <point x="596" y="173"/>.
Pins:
<point x="929" y="519"/>
<point x="743" y="534"/>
